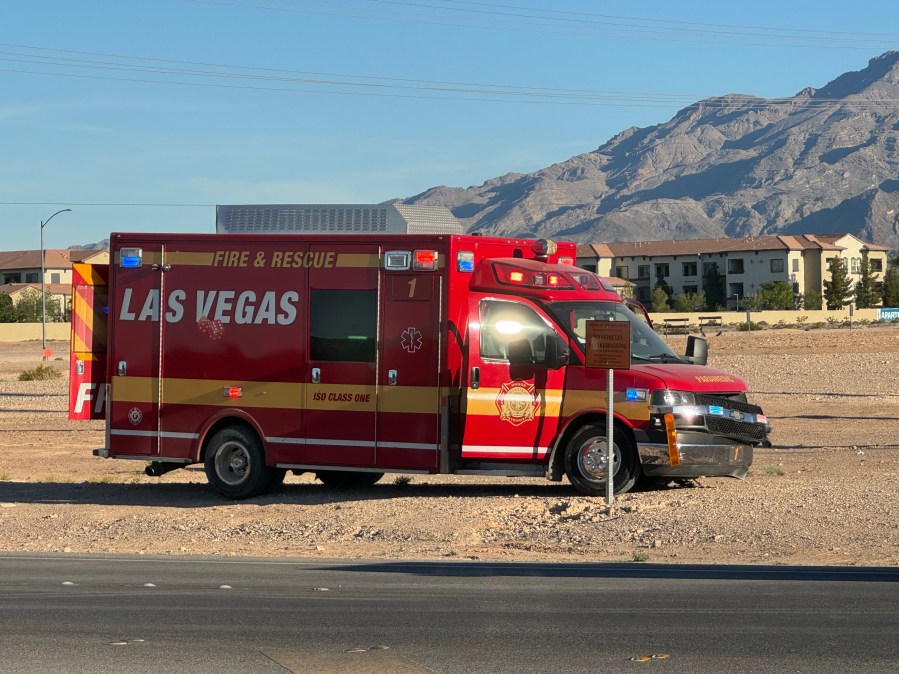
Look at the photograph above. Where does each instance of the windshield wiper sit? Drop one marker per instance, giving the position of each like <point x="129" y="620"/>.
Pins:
<point x="659" y="358"/>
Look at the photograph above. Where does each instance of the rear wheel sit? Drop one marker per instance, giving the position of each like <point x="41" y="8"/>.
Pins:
<point x="345" y="479"/>
<point x="586" y="461"/>
<point x="235" y="463"/>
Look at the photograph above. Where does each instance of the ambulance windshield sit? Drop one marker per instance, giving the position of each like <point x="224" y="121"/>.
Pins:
<point x="646" y="345"/>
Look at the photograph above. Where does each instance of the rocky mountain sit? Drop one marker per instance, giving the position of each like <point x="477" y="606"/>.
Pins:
<point x="100" y="245"/>
<point x="825" y="160"/>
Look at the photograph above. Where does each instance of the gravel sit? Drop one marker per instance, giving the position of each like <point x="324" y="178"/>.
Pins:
<point x="826" y="493"/>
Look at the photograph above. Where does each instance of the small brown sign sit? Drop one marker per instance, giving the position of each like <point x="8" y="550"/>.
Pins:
<point x="609" y="344"/>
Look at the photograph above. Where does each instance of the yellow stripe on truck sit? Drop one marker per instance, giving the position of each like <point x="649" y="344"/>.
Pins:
<point x="278" y="395"/>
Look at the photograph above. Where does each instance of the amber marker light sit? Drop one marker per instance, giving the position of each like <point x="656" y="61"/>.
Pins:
<point x="671" y="432"/>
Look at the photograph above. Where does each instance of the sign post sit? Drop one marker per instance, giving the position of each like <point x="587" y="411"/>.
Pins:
<point x="609" y="348"/>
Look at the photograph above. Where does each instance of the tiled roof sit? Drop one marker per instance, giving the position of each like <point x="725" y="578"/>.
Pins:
<point x="53" y="259"/>
<point x="51" y="288"/>
<point x="597" y="250"/>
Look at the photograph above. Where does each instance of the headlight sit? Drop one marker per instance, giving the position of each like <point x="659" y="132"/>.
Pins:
<point x="667" y="398"/>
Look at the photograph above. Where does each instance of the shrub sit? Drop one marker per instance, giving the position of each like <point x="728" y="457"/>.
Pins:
<point x="743" y="326"/>
<point x="403" y="480"/>
<point x="774" y="470"/>
<point x="640" y="557"/>
<point x="40" y="373"/>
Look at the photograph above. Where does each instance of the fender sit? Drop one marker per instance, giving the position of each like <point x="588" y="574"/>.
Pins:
<point x="572" y="424"/>
<point x="214" y="420"/>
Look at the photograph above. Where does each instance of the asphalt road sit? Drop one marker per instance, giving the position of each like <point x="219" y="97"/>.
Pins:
<point x="140" y="614"/>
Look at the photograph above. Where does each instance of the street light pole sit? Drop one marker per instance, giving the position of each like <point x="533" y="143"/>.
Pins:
<point x="43" y="291"/>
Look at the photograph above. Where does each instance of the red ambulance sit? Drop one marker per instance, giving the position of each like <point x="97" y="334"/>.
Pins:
<point x="350" y="356"/>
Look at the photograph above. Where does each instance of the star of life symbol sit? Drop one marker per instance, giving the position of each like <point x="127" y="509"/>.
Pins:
<point x="135" y="416"/>
<point x="517" y="402"/>
<point x="411" y="340"/>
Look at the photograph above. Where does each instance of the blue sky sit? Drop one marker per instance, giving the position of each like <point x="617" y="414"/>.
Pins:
<point x="140" y="115"/>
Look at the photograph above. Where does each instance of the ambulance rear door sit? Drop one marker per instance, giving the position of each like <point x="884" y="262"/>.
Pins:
<point x="134" y="349"/>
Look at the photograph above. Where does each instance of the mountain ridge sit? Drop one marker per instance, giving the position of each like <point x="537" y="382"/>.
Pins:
<point x="824" y="160"/>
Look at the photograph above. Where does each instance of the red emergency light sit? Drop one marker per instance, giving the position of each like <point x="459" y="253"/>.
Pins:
<point x="424" y="260"/>
<point x="509" y="275"/>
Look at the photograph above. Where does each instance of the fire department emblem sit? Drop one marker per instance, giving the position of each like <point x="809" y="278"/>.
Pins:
<point x="135" y="416"/>
<point x="517" y="402"/>
<point x="411" y="340"/>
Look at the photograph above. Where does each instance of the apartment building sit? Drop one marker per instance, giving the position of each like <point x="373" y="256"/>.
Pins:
<point x="746" y="263"/>
<point x="21" y="270"/>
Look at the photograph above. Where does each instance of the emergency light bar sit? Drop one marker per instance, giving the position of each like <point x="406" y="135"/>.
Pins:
<point x="514" y="276"/>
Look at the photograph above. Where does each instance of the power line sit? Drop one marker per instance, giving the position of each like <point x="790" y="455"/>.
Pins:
<point x="564" y="23"/>
<point x="96" y="66"/>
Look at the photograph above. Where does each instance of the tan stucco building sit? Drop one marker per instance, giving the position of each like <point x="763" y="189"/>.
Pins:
<point x="801" y="260"/>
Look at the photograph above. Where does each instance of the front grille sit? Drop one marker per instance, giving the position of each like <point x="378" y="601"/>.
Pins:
<point x="728" y="403"/>
<point x="734" y="429"/>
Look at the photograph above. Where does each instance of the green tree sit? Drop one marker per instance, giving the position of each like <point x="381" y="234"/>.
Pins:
<point x="713" y="286"/>
<point x="774" y="295"/>
<point x="662" y="283"/>
<point x="866" y="292"/>
<point x="658" y="300"/>
<point x="891" y="286"/>
<point x="690" y="302"/>
<point x="838" y="290"/>
<point x="812" y="300"/>
<point x="7" y="310"/>
<point x="28" y="308"/>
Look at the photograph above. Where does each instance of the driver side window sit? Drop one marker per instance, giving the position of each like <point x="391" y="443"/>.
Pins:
<point x="509" y="323"/>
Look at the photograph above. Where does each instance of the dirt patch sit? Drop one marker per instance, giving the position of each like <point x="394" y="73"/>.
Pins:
<point x="826" y="493"/>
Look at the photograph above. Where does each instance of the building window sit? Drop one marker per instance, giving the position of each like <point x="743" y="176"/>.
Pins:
<point x="54" y="278"/>
<point x="643" y="294"/>
<point x="343" y="325"/>
<point x="795" y="265"/>
<point x="876" y="265"/>
<point x="707" y="268"/>
<point x="689" y="268"/>
<point x="777" y="265"/>
<point x="662" y="270"/>
<point x="589" y="266"/>
<point x="12" y="278"/>
<point x="689" y="290"/>
<point x="735" y="291"/>
<point x="643" y="271"/>
<point x="855" y="265"/>
<point x="32" y="277"/>
<point x="829" y="263"/>
<point x="621" y="272"/>
<point x="735" y="266"/>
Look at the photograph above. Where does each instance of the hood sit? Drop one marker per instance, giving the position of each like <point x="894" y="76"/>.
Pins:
<point x="695" y="378"/>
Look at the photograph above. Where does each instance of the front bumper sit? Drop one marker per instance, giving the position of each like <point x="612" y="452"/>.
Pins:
<point x="701" y="455"/>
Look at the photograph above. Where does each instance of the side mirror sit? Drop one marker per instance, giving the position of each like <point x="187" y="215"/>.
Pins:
<point x="557" y="353"/>
<point x="520" y="352"/>
<point x="697" y="350"/>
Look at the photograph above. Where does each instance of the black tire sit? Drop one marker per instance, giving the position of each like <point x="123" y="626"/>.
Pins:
<point x="586" y="464"/>
<point x="345" y="479"/>
<point x="235" y="463"/>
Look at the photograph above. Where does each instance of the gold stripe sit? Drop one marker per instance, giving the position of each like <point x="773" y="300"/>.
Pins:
<point x="189" y="259"/>
<point x="86" y="355"/>
<point x="278" y="395"/>
<point x="560" y="403"/>
<point x="358" y="260"/>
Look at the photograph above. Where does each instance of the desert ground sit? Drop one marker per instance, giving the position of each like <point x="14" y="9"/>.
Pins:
<point x="827" y="492"/>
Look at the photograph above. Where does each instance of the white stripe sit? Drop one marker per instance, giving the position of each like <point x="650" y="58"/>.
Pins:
<point x="409" y="445"/>
<point x="493" y="449"/>
<point x="153" y="434"/>
<point x="353" y="443"/>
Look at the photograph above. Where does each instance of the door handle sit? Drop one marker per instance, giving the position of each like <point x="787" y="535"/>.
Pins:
<point x="391" y="377"/>
<point x="123" y="368"/>
<point x="316" y="375"/>
<point x="475" y="377"/>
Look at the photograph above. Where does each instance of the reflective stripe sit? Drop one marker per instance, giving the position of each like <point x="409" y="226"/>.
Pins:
<point x="494" y="449"/>
<point x="153" y="434"/>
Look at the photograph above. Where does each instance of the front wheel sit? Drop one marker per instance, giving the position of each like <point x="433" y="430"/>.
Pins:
<point x="235" y="464"/>
<point x="586" y="461"/>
